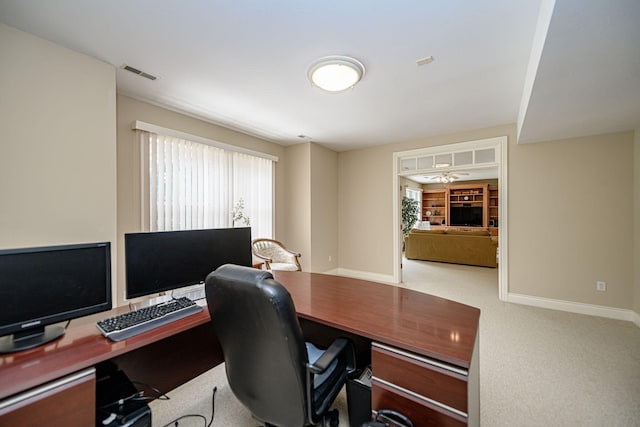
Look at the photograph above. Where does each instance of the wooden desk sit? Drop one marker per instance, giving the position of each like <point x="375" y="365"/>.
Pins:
<point x="424" y="349"/>
<point x="424" y="352"/>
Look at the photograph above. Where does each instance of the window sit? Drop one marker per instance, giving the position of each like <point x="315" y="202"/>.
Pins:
<point x="416" y="195"/>
<point x="194" y="185"/>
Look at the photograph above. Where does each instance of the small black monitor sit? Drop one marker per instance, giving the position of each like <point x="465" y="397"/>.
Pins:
<point x="46" y="285"/>
<point x="165" y="260"/>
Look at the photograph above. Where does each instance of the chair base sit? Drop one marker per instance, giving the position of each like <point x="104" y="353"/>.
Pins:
<point x="333" y="418"/>
<point x="330" y="419"/>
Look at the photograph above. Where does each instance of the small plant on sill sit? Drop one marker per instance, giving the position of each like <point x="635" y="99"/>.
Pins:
<point x="238" y="216"/>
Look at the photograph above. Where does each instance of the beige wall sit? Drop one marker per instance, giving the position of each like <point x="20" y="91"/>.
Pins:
<point x="324" y="209"/>
<point x="570" y="213"/>
<point x="405" y="183"/>
<point x="569" y="216"/>
<point x="365" y="210"/>
<point x="636" y="223"/>
<point x="365" y="199"/>
<point x="59" y="155"/>
<point x="57" y="150"/>
<point x="297" y="233"/>
<point x="312" y="208"/>
<point x="129" y="110"/>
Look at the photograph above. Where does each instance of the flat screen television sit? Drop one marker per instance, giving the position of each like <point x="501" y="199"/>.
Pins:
<point x="46" y="285"/>
<point x="465" y="216"/>
<point x="161" y="261"/>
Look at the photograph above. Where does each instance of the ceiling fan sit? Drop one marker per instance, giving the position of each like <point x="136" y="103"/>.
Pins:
<point x="445" y="177"/>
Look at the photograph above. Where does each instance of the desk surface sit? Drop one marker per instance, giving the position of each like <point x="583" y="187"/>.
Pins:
<point x="409" y="320"/>
<point x="82" y="346"/>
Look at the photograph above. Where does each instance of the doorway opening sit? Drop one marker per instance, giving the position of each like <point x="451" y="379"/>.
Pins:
<point x="472" y="157"/>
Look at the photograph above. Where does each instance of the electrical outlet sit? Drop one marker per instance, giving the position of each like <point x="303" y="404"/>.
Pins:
<point x="330" y="258"/>
<point x="601" y="286"/>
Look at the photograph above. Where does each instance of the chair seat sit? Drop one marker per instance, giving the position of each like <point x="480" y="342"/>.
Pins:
<point x="283" y="266"/>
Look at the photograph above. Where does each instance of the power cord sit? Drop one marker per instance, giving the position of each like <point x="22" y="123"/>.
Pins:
<point x="138" y="396"/>
<point x="159" y="395"/>
<point x="175" y="422"/>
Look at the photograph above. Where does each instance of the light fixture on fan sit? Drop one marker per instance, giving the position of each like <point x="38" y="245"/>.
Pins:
<point x="445" y="177"/>
<point x="336" y="73"/>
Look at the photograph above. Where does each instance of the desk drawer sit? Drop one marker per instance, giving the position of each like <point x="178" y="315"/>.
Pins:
<point x="421" y="413"/>
<point x="69" y="402"/>
<point x="431" y="379"/>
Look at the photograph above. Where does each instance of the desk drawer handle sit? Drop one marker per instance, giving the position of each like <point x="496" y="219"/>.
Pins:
<point x="423" y="359"/>
<point x="45" y="388"/>
<point x="420" y="397"/>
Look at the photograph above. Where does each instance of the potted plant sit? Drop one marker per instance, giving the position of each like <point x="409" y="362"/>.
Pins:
<point x="409" y="214"/>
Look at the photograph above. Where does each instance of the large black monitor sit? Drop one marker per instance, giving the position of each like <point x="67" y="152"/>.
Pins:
<point x="46" y="285"/>
<point x="166" y="260"/>
<point x="465" y="216"/>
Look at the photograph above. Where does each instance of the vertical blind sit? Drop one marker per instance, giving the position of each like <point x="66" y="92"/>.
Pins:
<point x="193" y="185"/>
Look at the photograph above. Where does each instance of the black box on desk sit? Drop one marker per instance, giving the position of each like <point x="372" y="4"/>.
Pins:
<point x="118" y="402"/>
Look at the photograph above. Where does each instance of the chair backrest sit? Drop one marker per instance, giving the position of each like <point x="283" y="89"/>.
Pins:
<point x="265" y="355"/>
<point x="273" y="249"/>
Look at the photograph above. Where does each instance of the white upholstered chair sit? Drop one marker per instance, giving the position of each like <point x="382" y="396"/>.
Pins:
<point x="275" y="255"/>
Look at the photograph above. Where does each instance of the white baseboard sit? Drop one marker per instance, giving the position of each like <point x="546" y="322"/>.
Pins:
<point x="553" y="304"/>
<point x="635" y="318"/>
<point x="364" y="275"/>
<point x="576" y="307"/>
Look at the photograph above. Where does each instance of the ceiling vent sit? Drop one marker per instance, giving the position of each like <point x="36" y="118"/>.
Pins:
<point x="138" y="72"/>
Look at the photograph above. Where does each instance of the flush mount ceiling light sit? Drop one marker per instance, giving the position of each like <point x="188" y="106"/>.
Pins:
<point x="336" y="73"/>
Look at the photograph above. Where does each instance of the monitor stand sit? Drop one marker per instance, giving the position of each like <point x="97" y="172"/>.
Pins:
<point x="30" y="338"/>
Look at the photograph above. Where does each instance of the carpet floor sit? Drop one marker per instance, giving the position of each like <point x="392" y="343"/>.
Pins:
<point x="538" y="367"/>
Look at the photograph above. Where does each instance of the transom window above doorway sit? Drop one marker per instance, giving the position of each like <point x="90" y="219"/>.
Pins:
<point x="477" y="157"/>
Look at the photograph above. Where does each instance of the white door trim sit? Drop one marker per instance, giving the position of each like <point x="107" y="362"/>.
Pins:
<point x="501" y="145"/>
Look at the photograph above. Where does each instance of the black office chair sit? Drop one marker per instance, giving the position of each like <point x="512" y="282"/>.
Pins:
<point x="281" y="379"/>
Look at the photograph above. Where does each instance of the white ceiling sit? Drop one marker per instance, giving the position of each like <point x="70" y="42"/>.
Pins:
<point x="587" y="80"/>
<point x="243" y="63"/>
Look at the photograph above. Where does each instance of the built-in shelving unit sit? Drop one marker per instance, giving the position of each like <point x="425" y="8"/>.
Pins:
<point x="437" y="203"/>
<point x="493" y="207"/>
<point x="434" y="206"/>
<point x="471" y="195"/>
